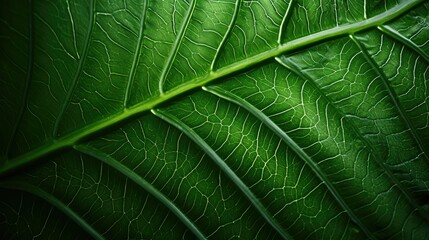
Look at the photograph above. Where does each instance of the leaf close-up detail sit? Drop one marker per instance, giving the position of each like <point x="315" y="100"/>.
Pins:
<point x="196" y="119"/>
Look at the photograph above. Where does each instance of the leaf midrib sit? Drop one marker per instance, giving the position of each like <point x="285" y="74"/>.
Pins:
<point x="76" y="136"/>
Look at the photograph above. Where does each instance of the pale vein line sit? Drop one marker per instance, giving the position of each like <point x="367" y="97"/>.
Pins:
<point x="364" y="9"/>
<point x="176" y="45"/>
<point x="73" y="28"/>
<point x="228" y="32"/>
<point x="393" y="97"/>
<point x="79" y="69"/>
<point x="148" y="187"/>
<point x="291" y="66"/>
<point x="401" y="38"/>
<point x="294" y="146"/>
<point x="72" y="138"/>
<point x="24" y="101"/>
<point x="225" y="169"/>
<point x="36" y="191"/>
<point x="285" y="20"/>
<point x="133" y="70"/>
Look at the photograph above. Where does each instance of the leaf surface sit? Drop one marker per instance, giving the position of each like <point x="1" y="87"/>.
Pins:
<point x="214" y="119"/>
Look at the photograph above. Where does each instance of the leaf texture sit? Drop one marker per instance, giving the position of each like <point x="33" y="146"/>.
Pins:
<point x="297" y="119"/>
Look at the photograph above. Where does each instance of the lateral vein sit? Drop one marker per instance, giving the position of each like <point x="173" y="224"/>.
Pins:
<point x="74" y="137"/>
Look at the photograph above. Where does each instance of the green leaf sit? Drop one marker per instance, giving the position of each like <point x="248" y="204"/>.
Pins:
<point x="299" y="119"/>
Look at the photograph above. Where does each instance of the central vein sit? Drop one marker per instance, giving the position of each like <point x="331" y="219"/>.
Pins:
<point x="74" y="137"/>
